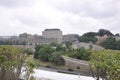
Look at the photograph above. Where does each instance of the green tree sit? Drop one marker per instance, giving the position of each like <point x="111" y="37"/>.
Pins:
<point x="37" y="48"/>
<point x="103" y="32"/>
<point x="50" y="53"/>
<point x="87" y="39"/>
<point x="80" y="53"/>
<point x="109" y="43"/>
<point x="106" y="65"/>
<point x="44" y="52"/>
<point x="11" y="62"/>
<point x="28" y="68"/>
<point x="90" y="34"/>
<point x="28" y="51"/>
<point x="56" y="58"/>
<point x="68" y="45"/>
<point x="60" y="48"/>
<point x="118" y="45"/>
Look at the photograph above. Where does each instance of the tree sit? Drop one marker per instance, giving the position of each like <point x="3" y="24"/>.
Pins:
<point x="103" y="32"/>
<point x="118" y="45"/>
<point x="80" y="53"/>
<point x="44" y="52"/>
<point x="28" y="69"/>
<point x="11" y="62"/>
<point x="111" y="43"/>
<point x="105" y="64"/>
<point x="58" y="47"/>
<point x="56" y="58"/>
<point x="50" y="54"/>
<point x="117" y="34"/>
<point x="87" y="39"/>
<point x="37" y="48"/>
<point x="28" y="51"/>
<point x="90" y="34"/>
<point x="68" y="44"/>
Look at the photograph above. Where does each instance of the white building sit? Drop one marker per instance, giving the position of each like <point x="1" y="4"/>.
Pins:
<point x="53" y="33"/>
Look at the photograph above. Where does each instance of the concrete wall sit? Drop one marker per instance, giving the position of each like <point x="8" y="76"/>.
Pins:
<point x="75" y="63"/>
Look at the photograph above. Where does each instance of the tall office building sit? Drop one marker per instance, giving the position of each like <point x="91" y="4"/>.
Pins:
<point x="53" y="33"/>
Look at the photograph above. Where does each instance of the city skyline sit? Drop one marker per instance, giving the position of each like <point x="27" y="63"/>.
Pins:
<point x="70" y="16"/>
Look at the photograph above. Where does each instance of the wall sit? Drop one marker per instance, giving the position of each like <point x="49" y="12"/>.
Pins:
<point x="75" y="63"/>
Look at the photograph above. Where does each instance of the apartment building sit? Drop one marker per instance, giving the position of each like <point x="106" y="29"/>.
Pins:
<point x="53" y="33"/>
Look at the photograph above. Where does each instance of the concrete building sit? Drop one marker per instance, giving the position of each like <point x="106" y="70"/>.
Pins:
<point x="26" y="39"/>
<point x="35" y="39"/>
<point x="70" y="37"/>
<point x="53" y="33"/>
<point x="77" y="45"/>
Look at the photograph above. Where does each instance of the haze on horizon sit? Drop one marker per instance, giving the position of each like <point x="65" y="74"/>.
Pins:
<point x="71" y="16"/>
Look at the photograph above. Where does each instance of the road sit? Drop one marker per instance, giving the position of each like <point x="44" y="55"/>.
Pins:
<point x="61" y="70"/>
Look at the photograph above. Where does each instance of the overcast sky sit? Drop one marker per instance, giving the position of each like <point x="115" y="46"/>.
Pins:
<point x="71" y="16"/>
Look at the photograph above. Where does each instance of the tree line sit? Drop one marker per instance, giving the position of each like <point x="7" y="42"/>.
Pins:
<point x="53" y="53"/>
<point x="111" y="43"/>
<point x="90" y="36"/>
<point x="108" y="43"/>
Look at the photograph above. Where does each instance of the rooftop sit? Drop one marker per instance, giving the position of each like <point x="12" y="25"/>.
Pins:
<point x="52" y="29"/>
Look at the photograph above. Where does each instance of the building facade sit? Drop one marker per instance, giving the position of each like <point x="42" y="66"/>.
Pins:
<point x="53" y="33"/>
<point x="70" y="37"/>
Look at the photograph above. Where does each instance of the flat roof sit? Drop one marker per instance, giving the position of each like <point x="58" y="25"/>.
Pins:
<point x="52" y="29"/>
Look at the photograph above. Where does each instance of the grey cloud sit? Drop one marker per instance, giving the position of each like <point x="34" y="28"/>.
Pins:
<point x="15" y="3"/>
<point x="105" y="10"/>
<point x="71" y="16"/>
<point x="34" y="20"/>
<point x="93" y="8"/>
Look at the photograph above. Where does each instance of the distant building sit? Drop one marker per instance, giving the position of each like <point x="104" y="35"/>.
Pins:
<point x="101" y="38"/>
<point x="53" y="33"/>
<point x="70" y="37"/>
<point x="35" y="39"/>
<point x="77" y="45"/>
<point x="25" y="35"/>
<point x="91" y="46"/>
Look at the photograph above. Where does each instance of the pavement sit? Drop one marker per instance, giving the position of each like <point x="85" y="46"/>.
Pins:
<point x="49" y="75"/>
